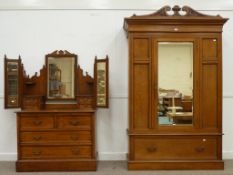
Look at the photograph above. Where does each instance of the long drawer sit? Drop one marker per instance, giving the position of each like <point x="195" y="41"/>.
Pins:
<point x="174" y="148"/>
<point x="55" y="137"/>
<point x="55" y="152"/>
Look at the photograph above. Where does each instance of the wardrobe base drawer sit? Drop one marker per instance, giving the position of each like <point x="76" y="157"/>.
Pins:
<point x="174" y="148"/>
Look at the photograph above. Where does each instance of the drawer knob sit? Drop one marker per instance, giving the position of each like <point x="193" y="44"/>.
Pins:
<point x="151" y="149"/>
<point x="74" y="122"/>
<point x="36" y="137"/>
<point x="74" y="137"/>
<point x="75" y="151"/>
<point x="199" y="149"/>
<point x="36" y="152"/>
<point x="37" y="122"/>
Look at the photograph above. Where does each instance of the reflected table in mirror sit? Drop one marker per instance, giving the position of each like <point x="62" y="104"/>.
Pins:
<point x="180" y="117"/>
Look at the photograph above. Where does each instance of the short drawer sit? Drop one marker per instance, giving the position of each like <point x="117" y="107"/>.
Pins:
<point x="53" y="137"/>
<point x="55" y="152"/>
<point x="175" y="148"/>
<point x="35" y="122"/>
<point x="74" y="122"/>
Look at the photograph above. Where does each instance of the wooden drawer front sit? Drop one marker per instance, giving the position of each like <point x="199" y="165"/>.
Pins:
<point x="176" y="148"/>
<point x="55" y="152"/>
<point x="74" y="122"/>
<point x="45" y="137"/>
<point x="36" y="122"/>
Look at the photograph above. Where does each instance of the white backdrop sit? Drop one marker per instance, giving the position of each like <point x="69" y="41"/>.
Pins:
<point x="33" y="28"/>
<point x="114" y="4"/>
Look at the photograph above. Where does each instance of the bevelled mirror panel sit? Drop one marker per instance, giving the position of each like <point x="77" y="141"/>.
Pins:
<point x="175" y="82"/>
<point x="101" y="77"/>
<point x="12" y="82"/>
<point x="61" y="78"/>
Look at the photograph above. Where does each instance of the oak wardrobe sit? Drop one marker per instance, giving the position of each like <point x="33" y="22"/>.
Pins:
<point x="175" y="90"/>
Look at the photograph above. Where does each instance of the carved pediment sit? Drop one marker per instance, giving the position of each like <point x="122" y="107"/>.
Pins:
<point x="167" y="19"/>
<point x="185" y="11"/>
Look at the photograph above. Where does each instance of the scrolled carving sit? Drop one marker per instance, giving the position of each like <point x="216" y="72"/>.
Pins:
<point x="161" y="12"/>
<point x="191" y="12"/>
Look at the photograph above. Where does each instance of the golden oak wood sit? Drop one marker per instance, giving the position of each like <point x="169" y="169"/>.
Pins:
<point x="193" y="146"/>
<point x="54" y="135"/>
<point x="68" y="137"/>
<point x="56" y="165"/>
<point x="175" y="165"/>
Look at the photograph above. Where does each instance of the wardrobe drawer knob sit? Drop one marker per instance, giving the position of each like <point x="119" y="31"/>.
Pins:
<point x="151" y="149"/>
<point x="199" y="149"/>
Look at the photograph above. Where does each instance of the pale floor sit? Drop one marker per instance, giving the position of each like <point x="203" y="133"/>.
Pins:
<point x="119" y="167"/>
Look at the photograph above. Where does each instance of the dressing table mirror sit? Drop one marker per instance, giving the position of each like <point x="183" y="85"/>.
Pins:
<point x="61" y="76"/>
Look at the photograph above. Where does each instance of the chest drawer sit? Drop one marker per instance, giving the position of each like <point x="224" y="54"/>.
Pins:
<point x="74" y="122"/>
<point x="35" y="122"/>
<point x="55" y="152"/>
<point x="175" y="148"/>
<point x="53" y="137"/>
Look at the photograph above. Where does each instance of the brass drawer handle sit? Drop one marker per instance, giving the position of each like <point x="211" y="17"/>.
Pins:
<point x="76" y="151"/>
<point x="37" y="137"/>
<point x="199" y="149"/>
<point x="151" y="149"/>
<point x="74" y="137"/>
<point x="37" y="122"/>
<point x="74" y="122"/>
<point x="36" y="152"/>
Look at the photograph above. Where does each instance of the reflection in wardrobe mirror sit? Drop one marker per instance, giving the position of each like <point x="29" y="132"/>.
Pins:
<point x="175" y="82"/>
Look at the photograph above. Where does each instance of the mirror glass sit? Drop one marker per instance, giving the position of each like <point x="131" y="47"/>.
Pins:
<point x="101" y="83"/>
<point x="175" y="83"/>
<point x="12" y="85"/>
<point x="61" y="78"/>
